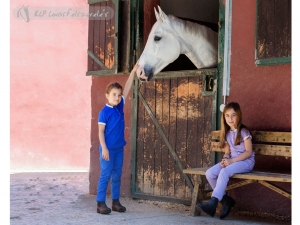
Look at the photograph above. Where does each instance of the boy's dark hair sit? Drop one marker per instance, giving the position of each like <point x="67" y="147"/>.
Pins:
<point x="113" y="85"/>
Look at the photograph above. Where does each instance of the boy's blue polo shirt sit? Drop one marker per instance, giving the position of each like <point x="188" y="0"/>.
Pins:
<point x="113" y="119"/>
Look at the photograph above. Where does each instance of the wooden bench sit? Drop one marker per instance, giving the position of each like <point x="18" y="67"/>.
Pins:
<point x="264" y="143"/>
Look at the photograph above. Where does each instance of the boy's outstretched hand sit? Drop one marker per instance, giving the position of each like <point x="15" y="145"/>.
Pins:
<point x="136" y="66"/>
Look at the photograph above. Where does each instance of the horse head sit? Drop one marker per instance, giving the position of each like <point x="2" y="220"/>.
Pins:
<point x="170" y="37"/>
<point x="162" y="48"/>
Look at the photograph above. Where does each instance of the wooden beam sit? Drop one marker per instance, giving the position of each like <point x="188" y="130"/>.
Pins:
<point x="266" y="176"/>
<point x="239" y="184"/>
<point x="197" y="171"/>
<point x="263" y="136"/>
<point x="185" y="73"/>
<point x="95" y="1"/>
<point x="253" y="175"/>
<point x="273" y="150"/>
<point x="273" y="61"/>
<point x="215" y="147"/>
<point x="235" y="185"/>
<point x="109" y="72"/>
<point x="215" y="135"/>
<point x="261" y="149"/>
<point x="96" y="60"/>
<point x="276" y="188"/>
<point x="278" y="137"/>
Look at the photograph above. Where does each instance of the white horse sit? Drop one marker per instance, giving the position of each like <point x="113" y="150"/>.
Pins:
<point x="170" y="37"/>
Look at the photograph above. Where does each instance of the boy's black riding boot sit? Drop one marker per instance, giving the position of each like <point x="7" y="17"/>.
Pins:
<point x="227" y="203"/>
<point x="210" y="207"/>
<point x="102" y="208"/>
<point x="116" y="206"/>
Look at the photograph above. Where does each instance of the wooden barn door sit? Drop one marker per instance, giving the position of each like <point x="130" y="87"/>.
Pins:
<point x="174" y="119"/>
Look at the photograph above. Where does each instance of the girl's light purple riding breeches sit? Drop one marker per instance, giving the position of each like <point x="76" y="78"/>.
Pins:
<point x="218" y="177"/>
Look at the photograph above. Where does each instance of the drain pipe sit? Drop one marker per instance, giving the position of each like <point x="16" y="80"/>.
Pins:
<point x="227" y="51"/>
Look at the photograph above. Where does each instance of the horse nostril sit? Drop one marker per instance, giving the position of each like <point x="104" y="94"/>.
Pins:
<point x="139" y="73"/>
<point x="150" y="77"/>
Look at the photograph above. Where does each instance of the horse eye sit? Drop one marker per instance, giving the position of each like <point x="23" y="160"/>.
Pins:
<point x="156" y="38"/>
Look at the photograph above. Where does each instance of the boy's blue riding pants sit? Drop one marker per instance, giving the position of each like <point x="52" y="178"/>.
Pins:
<point x="111" y="169"/>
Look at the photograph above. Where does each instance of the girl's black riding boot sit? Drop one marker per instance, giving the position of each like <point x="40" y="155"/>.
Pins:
<point x="210" y="207"/>
<point x="102" y="208"/>
<point x="116" y="206"/>
<point x="227" y="203"/>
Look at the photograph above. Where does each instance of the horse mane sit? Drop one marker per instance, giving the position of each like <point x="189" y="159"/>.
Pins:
<point x="190" y="27"/>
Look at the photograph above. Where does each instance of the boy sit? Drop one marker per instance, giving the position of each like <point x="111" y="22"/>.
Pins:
<point x="111" y="135"/>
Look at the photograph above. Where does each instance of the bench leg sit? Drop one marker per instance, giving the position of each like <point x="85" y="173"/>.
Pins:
<point x="195" y="195"/>
<point x="198" y="195"/>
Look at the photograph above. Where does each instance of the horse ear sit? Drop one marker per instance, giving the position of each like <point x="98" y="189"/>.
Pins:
<point x="156" y="14"/>
<point x="162" y="15"/>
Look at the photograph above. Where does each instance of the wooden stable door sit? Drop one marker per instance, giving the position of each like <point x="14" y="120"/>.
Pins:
<point x="172" y="117"/>
<point x="171" y="131"/>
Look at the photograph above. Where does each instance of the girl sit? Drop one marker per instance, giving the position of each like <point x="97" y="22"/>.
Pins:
<point x="111" y="135"/>
<point x="235" y="139"/>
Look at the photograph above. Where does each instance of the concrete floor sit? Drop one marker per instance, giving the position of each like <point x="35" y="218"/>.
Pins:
<point x="62" y="198"/>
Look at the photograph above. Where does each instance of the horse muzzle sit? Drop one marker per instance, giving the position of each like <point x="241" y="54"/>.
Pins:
<point x="144" y="74"/>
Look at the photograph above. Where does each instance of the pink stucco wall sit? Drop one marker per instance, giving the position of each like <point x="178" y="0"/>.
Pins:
<point x="50" y="103"/>
<point x="264" y="94"/>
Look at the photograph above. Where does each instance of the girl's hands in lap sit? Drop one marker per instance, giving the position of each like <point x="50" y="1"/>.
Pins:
<point x="226" y="162"/>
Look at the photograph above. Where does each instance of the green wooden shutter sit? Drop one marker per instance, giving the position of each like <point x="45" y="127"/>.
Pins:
<point x="103" y="37"/>
<point x="273" y="32"/>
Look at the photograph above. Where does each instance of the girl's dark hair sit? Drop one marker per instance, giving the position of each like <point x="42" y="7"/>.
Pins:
<point x="113" y="85"/>
<point x="224" y="126"/>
